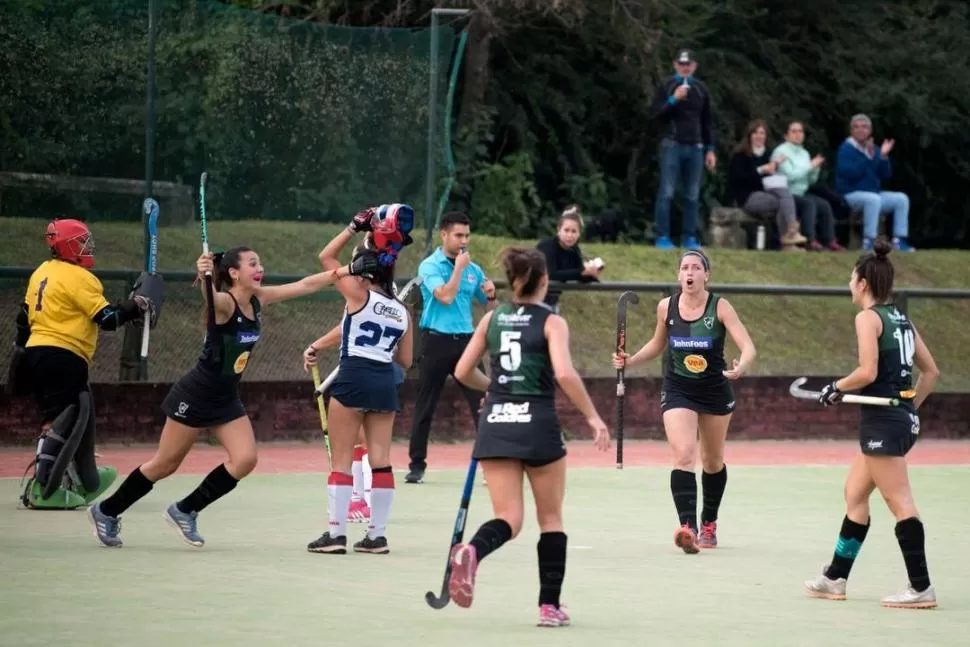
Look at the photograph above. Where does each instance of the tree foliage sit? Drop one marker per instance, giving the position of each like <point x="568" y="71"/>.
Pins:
<point x="552" y="106"/>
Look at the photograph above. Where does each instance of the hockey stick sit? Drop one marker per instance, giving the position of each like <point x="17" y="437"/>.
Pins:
<point x="621" y="306"/>
<point x="150" y="207"/>
<point x="402" y="294"/>
<point x="441" y="601"/>
<point x="211" y="309"/>
<point x="318" y="389"/>
<point x="849" y="398"/>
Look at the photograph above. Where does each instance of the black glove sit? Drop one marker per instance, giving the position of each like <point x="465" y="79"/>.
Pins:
<point x="364" y="265"/>
<point x="150" y="287"/>
<point x="829" y="395"/>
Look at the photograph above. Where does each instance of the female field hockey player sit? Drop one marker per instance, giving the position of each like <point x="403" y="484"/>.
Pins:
<point x="889" y="346"/>
<point x="376" y="334"/>
<point x="57" y="334"/>
<point x="518" y="429"/>
<point x="696" y="397"/>
<point x="359" y="511"/>
<point x="207" y="397"/>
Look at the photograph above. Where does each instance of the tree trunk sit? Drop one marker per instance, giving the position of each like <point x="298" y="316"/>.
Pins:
<point x="477" y="54"/>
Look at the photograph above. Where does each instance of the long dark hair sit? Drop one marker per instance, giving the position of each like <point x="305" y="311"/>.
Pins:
<point x="744" y="146"/>
<point x="383" y="276"/>
<point x="223" y="262"/>
<point x="876" y="268"/>
<point x="524" y="268"/>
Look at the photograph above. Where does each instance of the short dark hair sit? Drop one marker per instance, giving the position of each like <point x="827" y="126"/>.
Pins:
<point x="453" y="218"/>
<point x="876" y="268"/>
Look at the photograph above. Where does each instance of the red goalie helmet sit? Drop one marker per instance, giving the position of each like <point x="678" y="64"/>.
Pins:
<point x="71" y="240"/>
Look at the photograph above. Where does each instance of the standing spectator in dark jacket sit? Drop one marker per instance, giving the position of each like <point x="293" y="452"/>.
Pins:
<point x="682" y="106"/>
<point x="564" y="260"/>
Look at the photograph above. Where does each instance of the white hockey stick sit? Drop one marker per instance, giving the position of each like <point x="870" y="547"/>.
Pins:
<point x="849" y="398"/>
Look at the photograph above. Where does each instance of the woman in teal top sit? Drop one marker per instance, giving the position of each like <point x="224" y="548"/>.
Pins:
<point x="802" y="171"/>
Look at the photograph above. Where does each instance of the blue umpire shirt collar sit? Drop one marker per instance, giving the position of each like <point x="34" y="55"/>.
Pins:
<point x="439" y="311"/>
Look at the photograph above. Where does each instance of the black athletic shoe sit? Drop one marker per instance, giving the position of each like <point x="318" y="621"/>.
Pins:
<point x="328" y="544"/>
<point x="377" y="546"/>
<point x="416" y="475"/>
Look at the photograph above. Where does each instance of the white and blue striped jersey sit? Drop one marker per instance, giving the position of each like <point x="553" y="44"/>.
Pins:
<point x="373" y="332"/>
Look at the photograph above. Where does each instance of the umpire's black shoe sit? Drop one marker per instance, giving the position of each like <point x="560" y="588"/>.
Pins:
<point x="416" y="475"/>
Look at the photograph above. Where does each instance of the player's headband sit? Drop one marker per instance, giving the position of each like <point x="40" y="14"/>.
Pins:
<point x="693" y="252"/>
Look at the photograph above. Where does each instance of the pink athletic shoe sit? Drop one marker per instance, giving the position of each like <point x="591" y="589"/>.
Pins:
<point x="464" y="567"/>
<point x="708" y="536"/>
<point x="359" y="512"/>
<point x="550" y="616"/>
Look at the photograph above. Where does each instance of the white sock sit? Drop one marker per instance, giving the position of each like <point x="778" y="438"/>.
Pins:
<point x="368" y="477"/>
<point x="381" y="497"/>
<point x="339" y="488"/>
<point x="357" y="468"/>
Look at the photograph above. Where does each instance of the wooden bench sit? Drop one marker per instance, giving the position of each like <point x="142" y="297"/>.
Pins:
<point x="176" y="201"/>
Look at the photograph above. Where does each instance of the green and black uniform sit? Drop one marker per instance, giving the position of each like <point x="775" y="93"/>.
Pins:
<point x="208" y="395"/>
<point x="519" y="417"/>
<point x="891" y="431"/>
<point x="695" y="362"/>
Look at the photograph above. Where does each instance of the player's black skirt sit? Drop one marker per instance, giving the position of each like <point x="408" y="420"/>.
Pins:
<point x="200" y="401"/>
<point x="885" y="431"/>
<point x="56" y="377"/>
<point x="366" y="385"/>
<point x="712" y="398"/>
<point x="527" y="430"/>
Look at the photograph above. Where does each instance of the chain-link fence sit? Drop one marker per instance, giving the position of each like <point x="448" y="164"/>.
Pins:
<point x="823" y="346"/>
<point x="292" y="119"/>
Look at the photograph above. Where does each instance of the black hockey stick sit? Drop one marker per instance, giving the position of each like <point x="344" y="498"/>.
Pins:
<point x="625" y="300"/>
<point x="441" y="601"/>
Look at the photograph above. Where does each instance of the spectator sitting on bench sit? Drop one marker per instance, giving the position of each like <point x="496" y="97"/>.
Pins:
<point x="860" y="170"/>
<point x="802" y="171"/>
<point x="755" y="186"/>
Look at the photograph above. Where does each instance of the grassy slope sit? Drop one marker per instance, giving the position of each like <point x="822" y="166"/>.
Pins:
<point x="794" y="335"/>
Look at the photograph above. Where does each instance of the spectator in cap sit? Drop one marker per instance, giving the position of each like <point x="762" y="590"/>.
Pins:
<point x="682" y="106"/>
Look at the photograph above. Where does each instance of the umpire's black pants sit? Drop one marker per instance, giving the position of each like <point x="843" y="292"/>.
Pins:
<point x="439" y="355"/>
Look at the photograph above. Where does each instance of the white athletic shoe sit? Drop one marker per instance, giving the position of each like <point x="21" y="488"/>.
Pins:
<point x="825" y="588"/>
<point x="910" y="598"/>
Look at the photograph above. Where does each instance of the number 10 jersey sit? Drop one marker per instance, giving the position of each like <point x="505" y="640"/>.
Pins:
<point x="520" y="366"/>
<point x="897" y="347"/>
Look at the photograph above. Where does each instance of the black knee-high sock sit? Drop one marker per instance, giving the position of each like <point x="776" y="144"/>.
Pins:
<point x="683" y="486"/>
<point x="912" y="543"/>
<point x="552" y="566"/>
<point x="847" y="548"/>
<point x="490" y="536"/>
<point x="131" y="489"/>
<point x="217" y="483"/>
<point x="713" y="490"/>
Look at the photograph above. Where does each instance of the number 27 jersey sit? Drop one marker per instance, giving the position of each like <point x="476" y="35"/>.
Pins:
<point x="520" y="366"/>
<point x="373" y="332"/>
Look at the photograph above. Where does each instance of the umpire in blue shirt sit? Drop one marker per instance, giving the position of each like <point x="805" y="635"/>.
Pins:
<point x="451" y="283"/>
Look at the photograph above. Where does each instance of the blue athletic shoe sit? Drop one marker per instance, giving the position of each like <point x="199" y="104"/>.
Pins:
<point x="106" y="529"/>
<point x="901" y="245"/>
<point x="185" y="524"/>
<point x="664" y="242"/>
<point x="692" y="243"/>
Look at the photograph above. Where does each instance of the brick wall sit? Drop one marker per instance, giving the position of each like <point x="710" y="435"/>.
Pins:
<point x="285" y="410"/>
